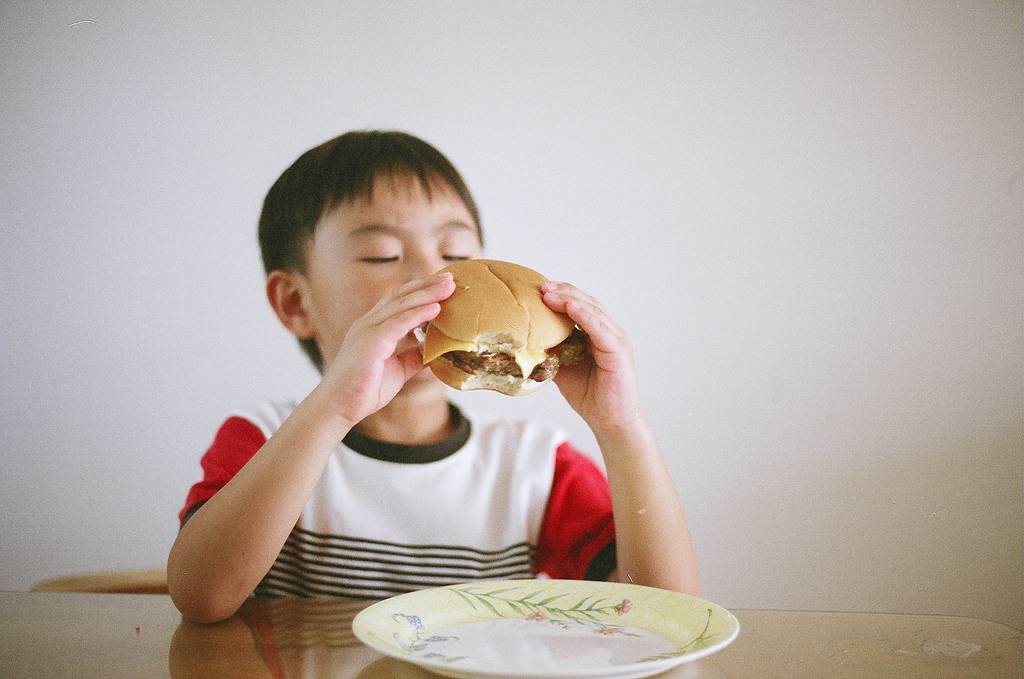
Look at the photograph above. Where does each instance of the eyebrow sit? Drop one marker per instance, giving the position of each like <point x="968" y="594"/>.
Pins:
<point x="373" y="228"/>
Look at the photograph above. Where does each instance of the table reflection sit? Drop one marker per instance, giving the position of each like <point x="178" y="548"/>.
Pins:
<point x="117" y="636"/>
<point x="288" y="637"/>
<point x="312" y="638"/>
<point x="291" y="638"/>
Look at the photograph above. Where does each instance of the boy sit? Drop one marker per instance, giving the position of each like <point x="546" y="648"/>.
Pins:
<point x="374" y="484"/>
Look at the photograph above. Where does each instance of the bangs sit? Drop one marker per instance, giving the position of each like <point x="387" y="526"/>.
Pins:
<point x="398" y="175"/>
<point x="349" y="174"/>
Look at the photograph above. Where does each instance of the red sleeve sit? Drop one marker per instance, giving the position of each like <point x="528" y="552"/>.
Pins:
<point x="577" y="536"/>
<point x="236" y="442"/>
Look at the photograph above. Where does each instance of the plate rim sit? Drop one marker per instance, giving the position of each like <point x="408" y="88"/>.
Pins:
<point x="656" y="666"/>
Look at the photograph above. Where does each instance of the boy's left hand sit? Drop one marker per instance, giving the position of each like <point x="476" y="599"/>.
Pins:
<point x="602" y="387"/>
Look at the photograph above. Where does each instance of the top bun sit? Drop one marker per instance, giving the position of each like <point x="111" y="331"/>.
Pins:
<point x="496" y="307"/>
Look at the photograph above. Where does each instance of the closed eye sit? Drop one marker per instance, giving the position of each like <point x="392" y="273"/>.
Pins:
<point x="379" y="260"/>
<point x="454" y="258"/>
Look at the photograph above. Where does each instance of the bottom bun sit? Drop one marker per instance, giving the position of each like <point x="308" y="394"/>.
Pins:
<point x="509" y="385"/>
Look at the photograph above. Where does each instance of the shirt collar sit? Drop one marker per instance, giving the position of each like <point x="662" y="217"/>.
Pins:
<point x="412" y="454"/>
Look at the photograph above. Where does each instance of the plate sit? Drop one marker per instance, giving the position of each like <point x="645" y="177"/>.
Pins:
<point x="507" y="629"/>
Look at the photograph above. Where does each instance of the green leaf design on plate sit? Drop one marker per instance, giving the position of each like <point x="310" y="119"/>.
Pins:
<point x="579" y="603"/>
<point x="698" y="641"/>
<point x="580" y="612"/>
<point x="547" y="601"/>
<point x="488" y="604"/>
<point x="465" y="597"/>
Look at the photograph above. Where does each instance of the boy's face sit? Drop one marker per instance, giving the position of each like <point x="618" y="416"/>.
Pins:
<point x="364" y="249"/>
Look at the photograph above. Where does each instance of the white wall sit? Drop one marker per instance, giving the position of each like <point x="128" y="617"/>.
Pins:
<point x="810" y="218"/>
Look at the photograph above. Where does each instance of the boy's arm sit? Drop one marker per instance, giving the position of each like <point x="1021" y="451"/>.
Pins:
<point x="653" y="545"/>
<point x="230" y="543"/>
<point x="652" y="541"/>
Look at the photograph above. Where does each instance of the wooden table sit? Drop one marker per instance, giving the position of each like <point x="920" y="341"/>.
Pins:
<point x="79" y="636"/>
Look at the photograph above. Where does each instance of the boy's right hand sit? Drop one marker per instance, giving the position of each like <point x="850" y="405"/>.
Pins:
<point x="368" y="370"/>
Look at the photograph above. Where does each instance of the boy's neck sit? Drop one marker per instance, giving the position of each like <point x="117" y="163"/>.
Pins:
<point x="412" y="420"/>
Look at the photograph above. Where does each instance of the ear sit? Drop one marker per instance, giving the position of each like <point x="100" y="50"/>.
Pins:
<point x="288" y="294"/>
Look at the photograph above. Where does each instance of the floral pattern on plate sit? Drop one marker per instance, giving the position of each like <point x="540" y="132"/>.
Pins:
<point x="546" y="628"/>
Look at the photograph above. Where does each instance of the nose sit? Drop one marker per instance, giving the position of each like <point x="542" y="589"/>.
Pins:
<point x="420" y="264"/>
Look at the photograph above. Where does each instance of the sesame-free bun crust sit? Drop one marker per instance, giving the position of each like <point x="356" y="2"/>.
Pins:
<point x="497" y="307"/>
<point x="498" y="300"/>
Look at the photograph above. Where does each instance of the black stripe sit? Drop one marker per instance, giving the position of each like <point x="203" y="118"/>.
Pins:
<point x="298" y="579"/>
<point x="514" y="551"/>
<point x="313" y="561"/>
<point x="303" y="573"/>
<point x="285" y="588"/>
<point x="292" y="588"/>
<point x="373" y="565"/>
<point x="334" y="557"/>
<point x="419" y="559"/>
<point x="443" y="548"/>
<point x="427" y="579"/>
<point x="267" y="589"/>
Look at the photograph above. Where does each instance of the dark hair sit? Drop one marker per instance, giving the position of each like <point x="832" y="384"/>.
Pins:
<point x="340" y="170"/>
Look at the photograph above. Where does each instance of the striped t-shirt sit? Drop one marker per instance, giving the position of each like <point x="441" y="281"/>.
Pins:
<point x="497" y="499"/>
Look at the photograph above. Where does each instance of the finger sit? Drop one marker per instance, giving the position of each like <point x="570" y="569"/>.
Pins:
<point x="422" y="282"/>
<point x="441" y="289"/>
<point x="568" y="290"/>
<point x="412" y="286"/>
<point x="558" y="302"/>
<point x="408" y="295"/>
<point x="603" y="335"/>
<point x="401" y="324"/>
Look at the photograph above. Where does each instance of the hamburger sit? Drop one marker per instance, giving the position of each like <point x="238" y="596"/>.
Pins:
<point x="495" y="332"/>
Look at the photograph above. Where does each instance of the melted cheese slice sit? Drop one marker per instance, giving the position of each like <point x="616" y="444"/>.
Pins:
<point x="528" y="360"/>
<point x="436" y="343"/>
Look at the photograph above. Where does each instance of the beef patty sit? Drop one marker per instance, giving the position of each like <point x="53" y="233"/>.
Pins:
<point x="569" y="352"/>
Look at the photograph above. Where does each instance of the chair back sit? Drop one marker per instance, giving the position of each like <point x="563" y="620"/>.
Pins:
<point x="142" y="581"/>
